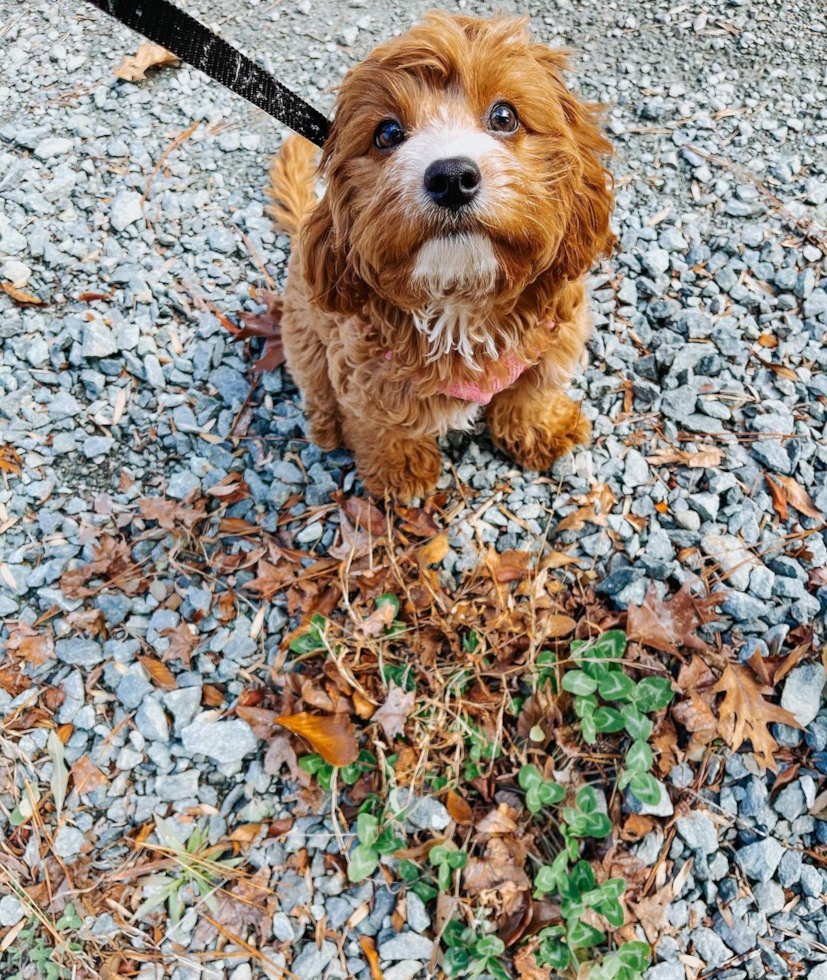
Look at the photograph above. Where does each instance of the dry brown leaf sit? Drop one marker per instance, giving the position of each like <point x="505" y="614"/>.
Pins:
<point x="365" y="514"/>
<point x="434" y="551"/>
<point x="378" y="621"/>
<point x="745" y="714"/>
<point x="271" y="579"/>
<point x="159" y="672"/>
<point x="332" y="736"/>
<point x="798" y="497"/>
<point x="458" y="808"/>
<point x="651" y="913"/>
<point x="595" y="509"/>
<point x="251" y="903"/>
<point x="281" y="753"/>
<point x="668" y="626"/>
<point x="779" y="497"/>
<point x="183" y="642"/>
<point x="260" y="720"/>
<point x="86" y="775"/>
<point x="696" y="681"/>
<point x="498" y="822"/>
<point x="503" y="861"/>
<point x="10" y="461"/>
<point x="33" y="647"/>
<point x="168" y="513"/>
<point x="394" y="712"/>
<point x="556" y="626"/>
<point x="368" y="946"/>
<point x="525" y="962"/>
<point x="353" y="542"/>
<point x="706" y="458"/>
<point x="112" y="564"/>
<point x="148" y="55"/>
<point x="25" y="299"/>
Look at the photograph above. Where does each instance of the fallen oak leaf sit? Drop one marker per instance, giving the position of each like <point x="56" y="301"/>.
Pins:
<point x="394" y="712"/>
<point x="458" y="808"/>
<point x="363" y="513"/>
<point x="168" y="513"/>
<point x="133" y="67"/>
<point x="281" y="753"/>
<point x="271" y="579"/>
<point x="182" y="643"/>
<point x="667" y="626"/>
<point x="332" y="736"/>
<point x="745" y="714"/>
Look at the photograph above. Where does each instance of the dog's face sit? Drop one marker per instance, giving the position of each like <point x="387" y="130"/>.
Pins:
<point x="459" y="169"/>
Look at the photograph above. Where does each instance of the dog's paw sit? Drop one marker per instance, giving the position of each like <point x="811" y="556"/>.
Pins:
<point x="537" y="439"/>
<point x="325" y="430"/>
<point x="405" y="469"/>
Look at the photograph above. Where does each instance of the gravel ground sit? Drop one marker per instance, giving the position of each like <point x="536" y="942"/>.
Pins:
<point x="706" y="382"/>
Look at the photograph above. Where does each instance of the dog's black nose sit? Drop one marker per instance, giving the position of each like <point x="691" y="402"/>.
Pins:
<point x="453" y="182"/>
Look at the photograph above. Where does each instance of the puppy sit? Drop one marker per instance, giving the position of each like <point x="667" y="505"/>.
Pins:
<point x="441" y="273"/>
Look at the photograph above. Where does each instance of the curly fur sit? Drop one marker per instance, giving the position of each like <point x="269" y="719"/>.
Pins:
<point x="378" y="269"/>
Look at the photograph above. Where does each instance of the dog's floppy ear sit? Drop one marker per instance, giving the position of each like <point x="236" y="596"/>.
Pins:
<point x="334" y="285"/>
<point x="588" y="233"/>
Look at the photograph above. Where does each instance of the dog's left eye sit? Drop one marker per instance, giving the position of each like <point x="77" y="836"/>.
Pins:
<point x="503" y="118"/>
<point x="388" y="135"/>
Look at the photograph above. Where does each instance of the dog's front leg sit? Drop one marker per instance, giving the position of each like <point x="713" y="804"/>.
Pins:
<point x="393" y="460"/>
<point x="536" y="422"/>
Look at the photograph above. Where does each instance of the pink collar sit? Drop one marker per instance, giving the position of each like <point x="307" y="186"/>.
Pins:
<point x="481" y="392"/>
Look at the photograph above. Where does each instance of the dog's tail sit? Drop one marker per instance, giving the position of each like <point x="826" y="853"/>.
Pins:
<point x="291" y="183"/>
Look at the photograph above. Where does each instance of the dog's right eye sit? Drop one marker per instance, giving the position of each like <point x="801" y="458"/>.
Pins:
<point x="388" y="135"/>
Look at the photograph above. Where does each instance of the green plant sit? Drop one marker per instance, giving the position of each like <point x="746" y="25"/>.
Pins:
<point x="313" y="640"/>
<point x="195" y="863"/>
<point x="375" y="840"/>
<point x="539" y="792"/>
<point x="447" y="859"/>
<point x="480" y="748"/>
<point x="468" y="953"/>
<point x="600" y="674"/>
<point x="316" y="766"/>
<point x="32" y="947"/>
<point x="627" y="962"/>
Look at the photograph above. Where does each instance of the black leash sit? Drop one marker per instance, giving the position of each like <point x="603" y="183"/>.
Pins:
<point x="163" y="23"/>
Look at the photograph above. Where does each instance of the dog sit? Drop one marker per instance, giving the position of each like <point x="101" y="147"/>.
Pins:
<point x="442" y="271"/>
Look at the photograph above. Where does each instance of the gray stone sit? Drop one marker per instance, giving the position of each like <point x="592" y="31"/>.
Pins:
<point x="734" y="559"/>
<point x="769" y="897"/>
<point x="666" y="971"/>
<point x="663" y="808"/>
<point x="636" y="470"/>
<point x="125" y="209"/>
<point x="98" y="340"/>
<point x="312" y="962"/>
<point x="428" y="814"/>
<point x="11" y="910"/>
<point x="182" y="484"/>
<point x="760" y="860"/>
<point x="181" y="786"/>
<point x="417" y="914"/>
<point x="68" y="842"/>
<point x="79" y="652"/>
<point x="151" y="721"/>
<point x="97" y="446"/>
<point x="225" y="741"/>
<point x="739" y="937"/>
<point x="183" y="704"/>
<point x="698" y="833"/>
<point x="802" y="692"/>
<point x="407" y="946"/>
<point x="133" y="687"/>
<point x="403" y="970"/>
<point x="710" y="947"/>
<point x="53" y="146"/>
